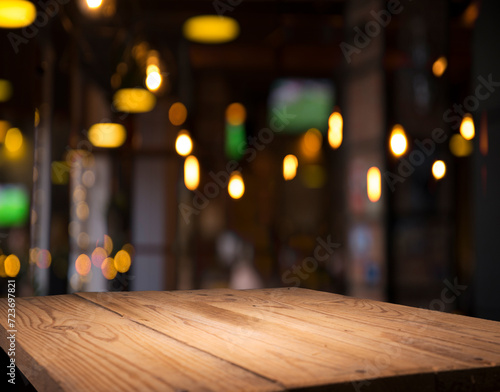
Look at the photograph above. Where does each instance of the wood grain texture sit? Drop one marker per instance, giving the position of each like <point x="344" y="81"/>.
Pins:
<point x="262" y="340"/>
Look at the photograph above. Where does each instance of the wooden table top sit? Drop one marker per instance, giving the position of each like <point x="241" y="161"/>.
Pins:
<point x="252" y="340"/>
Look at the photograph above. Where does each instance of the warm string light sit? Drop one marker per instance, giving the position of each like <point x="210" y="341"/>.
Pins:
<point x="191" y="173"/>
<point x="290" y="164"/>
<point x="236" y="187"/>
<point x="467" y="129"/>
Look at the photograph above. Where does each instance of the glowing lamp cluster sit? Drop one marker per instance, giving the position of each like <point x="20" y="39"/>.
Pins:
<point x="15" y="14"/>
<point x="153" y="74"/>
<point x="211" y="29"/>
<point x="107" y="135"/>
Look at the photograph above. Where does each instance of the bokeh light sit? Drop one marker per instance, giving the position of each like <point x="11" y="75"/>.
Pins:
<point x="134" y="100"/>
<point x="108" y="244"/>
<point x="108" y="268"/>
<point x="236" y="187"/>
<point x="153" y="81"/>
<point x="177" y="114"/>
<point x="183" y="143"/>
<point x="129" y="248"/>
<point x="13" y="140"/>
<point x="211" y="29"/>
<point x="98" y="256"/>
<point x="4" y="127"/>
<point x="290" y="164"/>
<point x="107" y="135"/>
<point x="460" y="147"/>
<point x="439" y="170"/>
<point x="5" y="89"/>
<point x="398" y="141"/>
<point x="2" y="266"/>
<point x="191" y="173"/>
<point x="12" y="266"/>
<point x="373" y="184"/>
<point x="311" y="143"/>
<point x="83" y="240"/>
<point x="439" y="66"/>
<point x="467" y="129"/>
<point x="93" y="4"/>
<point x="335" y="130"/>
<point x="122" y="261"/>
<point x="82" y="211"/>
<point x="236" y="114"/>
<point x="43" y="258"/>
<point x="16" y="13"/>
<point x="83" y="264"/>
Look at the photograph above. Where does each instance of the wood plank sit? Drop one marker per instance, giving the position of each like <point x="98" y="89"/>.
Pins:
<point x="321" y="340"/>
<point x="69" y="343"/>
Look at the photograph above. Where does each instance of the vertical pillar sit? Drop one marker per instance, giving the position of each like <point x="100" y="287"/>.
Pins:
<point x="363" y="97"/>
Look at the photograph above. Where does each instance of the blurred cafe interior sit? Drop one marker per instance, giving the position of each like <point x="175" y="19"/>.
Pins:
<point x="342" y="146"/>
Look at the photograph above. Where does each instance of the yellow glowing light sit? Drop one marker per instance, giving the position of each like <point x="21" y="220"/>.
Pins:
<point x="236" y="187"/>
<point x="439" y="66"/>
<point x="16" y="13"/>
<point x="211" y="29"/>
<point x="4" y="127"/>
<point x="83" y="264"/>
<point x="2" y="266"/>
<point x="459" y="146"/>
<point x="134" y="100"/>
<point x="373" y="184"/>
<point x="98" y="256"/>
<point x="5" y="85"/>
<point x="191" y="173"/>
<point x="183" y="143"/>
<point x="236" y="114"/>
<point x="93" y="4"/>
<point x="152" y="68"/>
<point x="177" y="113"/>
<point x="335" y="129"/>
<point x="290" y="164"/>
<point x="107" y="135"/>
<point x="438" y="170"/>
<point x="311" y="143"/>
<point x="122" y="261"/>
<point x="43" y="258"/>
<point x="398" y="140"/>
<point x="82" y="210"/>
<point x="12" y="266"/>
<point x="13" y="140"/>
<point x="108" y="268"/>
<point x="153" y="81"/>
<point x="467" y="129"/>
<point x="108" y="244"/>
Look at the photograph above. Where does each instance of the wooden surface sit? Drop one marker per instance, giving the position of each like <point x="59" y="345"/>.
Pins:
<point x="253" y="340"/>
